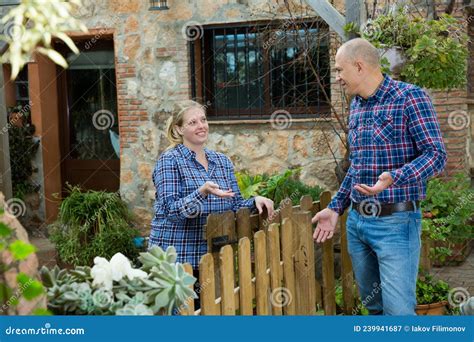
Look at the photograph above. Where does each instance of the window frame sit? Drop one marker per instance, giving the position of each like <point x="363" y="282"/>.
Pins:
<point x="201" y="64"/>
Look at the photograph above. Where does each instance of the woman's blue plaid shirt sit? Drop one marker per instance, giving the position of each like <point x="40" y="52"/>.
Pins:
<point x="395" y="130"/>
<point x="180" y="209"/>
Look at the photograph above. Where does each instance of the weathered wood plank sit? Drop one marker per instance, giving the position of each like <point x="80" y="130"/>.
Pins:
<point x="276" y="298"/>
<point x="245" y="277"/>
<point x="346" y="269"/>
<point x="287" y="252"/>
<point x="227" y="281"/>
<point x="330" y="15"/>
<point x="329" y="283"/>
<point x="261" y="285"/>
<point x="208" y="292"/>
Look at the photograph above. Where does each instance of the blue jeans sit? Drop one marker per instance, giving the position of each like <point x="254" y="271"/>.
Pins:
<point x="385" y="253"/>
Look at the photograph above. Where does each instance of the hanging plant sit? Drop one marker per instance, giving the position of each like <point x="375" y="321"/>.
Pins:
<point x="434" y="51"/>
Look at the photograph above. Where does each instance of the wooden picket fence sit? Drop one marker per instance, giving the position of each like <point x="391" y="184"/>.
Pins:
<point x="258" y="266"/>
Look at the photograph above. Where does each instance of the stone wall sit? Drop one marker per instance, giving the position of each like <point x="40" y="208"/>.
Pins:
<point x="152" y="68"/>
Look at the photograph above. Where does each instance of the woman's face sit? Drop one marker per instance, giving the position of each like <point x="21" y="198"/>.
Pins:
<point x="195" y="128"/>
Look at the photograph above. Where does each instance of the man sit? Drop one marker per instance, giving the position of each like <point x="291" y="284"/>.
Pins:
<point x="395" y="146"/>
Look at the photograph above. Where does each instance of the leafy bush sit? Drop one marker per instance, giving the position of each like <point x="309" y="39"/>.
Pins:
<point x="161" y="286"/>
<point x="277" y="187"/>
<point x="93" y="223"/>
<point x="449" y="208"/>
<point x="429" y="290"/>
<point x="23" y="149"/>
<point x="435" y="50"/>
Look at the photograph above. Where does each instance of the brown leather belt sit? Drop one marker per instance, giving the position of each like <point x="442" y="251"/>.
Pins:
<point x="373" y="208"/>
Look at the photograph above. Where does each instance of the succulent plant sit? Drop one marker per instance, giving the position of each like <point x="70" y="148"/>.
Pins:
<point x="165" y="288"/>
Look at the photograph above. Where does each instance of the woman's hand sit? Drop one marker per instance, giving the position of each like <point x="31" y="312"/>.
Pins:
<point x="261" y="202"/>
<point x="213" y="188"/>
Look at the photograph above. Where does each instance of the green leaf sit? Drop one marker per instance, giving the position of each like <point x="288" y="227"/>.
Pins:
<point x="21" y="250"/>
<point x="5" y="231"/>
<point x="42" y="312"/>
<point x="29" y="287"/>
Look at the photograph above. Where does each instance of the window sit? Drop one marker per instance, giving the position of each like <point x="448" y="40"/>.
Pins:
<point x="248" y="72"/>
<point x="92" y="104"/>
<point x="21" y="87"/>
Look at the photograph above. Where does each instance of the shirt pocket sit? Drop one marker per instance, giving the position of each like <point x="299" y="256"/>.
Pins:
<point x="383" y="129"/>
<point x="353" y="131"/>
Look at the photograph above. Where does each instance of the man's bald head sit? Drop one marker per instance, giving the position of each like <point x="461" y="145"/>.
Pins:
<point x="359" y="49"/>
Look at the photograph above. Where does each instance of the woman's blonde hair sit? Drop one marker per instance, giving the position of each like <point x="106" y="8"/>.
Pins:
<point x="176" y="119"/>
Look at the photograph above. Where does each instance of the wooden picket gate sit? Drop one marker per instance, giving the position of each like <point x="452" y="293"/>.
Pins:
<point x="267" y="267"/>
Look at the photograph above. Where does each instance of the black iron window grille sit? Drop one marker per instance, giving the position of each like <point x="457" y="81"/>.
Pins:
<point x="250" y="71"/>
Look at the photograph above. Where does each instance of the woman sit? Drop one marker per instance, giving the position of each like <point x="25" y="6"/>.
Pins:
<point x="191" y="182"/>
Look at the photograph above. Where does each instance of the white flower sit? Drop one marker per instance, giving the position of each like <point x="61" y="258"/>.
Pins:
<point x="121" y="267"/>
<point x="102" y="273"/>
<point x="105" y="272"/>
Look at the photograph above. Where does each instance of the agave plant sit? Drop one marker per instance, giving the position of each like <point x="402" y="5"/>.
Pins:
<point x="160" y="286"/>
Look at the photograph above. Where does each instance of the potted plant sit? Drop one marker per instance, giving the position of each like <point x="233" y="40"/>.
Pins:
<point x="431" y="53"/>
<point x="93" y="223"/>
<point x="431" y="295"/>
<point x="447" y="219"/>
<point x="113" y="287"/>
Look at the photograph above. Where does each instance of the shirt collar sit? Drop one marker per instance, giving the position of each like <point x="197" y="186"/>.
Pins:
<point x="189" y="154"/>
<point x="379" y="94"/>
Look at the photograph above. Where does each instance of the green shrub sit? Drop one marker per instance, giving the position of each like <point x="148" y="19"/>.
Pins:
<point x="90" y="224"/>
<point x="430" y="290"/>
<point x="277" y="187"/>
<point x="448" y="210"/>
<point x="23" y="149"/>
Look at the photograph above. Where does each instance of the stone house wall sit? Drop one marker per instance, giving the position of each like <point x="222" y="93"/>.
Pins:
<point x="153" y="71"/>
<point x="150" y="50"/>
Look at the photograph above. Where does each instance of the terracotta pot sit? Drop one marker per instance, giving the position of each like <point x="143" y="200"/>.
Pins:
<point x="434" y="309"/>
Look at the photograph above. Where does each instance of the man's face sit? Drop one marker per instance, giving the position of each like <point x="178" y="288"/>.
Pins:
<point x="348" y="74"/>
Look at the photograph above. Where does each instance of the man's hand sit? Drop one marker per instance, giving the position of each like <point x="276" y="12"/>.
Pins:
<point x="385" y="180"/>
<point x="327" y="220"/>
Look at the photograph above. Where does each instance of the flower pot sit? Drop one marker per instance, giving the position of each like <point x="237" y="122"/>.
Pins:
<point x="397" y="59"/>
<point x="434" y="309"/>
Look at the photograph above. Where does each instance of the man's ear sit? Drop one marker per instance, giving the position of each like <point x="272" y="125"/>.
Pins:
<point x="359" y="65"/>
